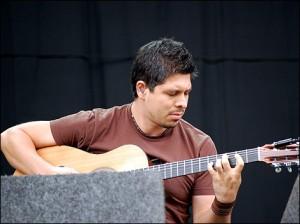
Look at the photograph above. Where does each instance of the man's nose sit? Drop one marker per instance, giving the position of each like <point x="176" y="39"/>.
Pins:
<point x="182" y="101"/>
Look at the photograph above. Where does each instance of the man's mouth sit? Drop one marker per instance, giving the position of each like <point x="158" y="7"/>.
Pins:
<point x="177" y="115"/>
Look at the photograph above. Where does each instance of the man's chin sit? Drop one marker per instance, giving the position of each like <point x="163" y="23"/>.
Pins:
<point x="171" y="124"/>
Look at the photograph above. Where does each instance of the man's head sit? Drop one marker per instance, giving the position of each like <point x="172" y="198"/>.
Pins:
<point x="158" y="60"/>
<point x="161" y="79"/>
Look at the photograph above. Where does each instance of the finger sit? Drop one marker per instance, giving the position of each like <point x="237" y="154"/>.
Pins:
<point x="71" y="170"/>
<point x="292" y="146"/>
<point x="239" y="162"/>
<point x="218" y="166"/>
<point x="268" y="146"/>
<point x="65" y="170"/>
<point x="210" y="168"/>
<point x="225" y="162"/>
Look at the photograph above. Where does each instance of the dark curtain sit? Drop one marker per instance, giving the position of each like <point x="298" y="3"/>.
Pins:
<point x="61" y="57"/>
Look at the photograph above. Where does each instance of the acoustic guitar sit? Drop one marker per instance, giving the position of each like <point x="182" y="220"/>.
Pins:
<point x="132" y="158"/>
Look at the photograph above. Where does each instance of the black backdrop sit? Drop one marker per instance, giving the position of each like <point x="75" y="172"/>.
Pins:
<point x="61" y="57"/>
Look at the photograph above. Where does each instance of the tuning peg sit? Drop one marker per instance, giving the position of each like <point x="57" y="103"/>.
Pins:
<point x="278" y="169"/>
<point x="288" y="166"/>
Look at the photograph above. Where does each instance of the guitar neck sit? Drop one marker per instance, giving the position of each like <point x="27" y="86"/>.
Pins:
<point x="190" y="166"/>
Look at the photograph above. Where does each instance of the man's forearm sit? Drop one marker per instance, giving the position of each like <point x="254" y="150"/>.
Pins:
<point x="218" y="212"/>
<point x="21" y="153"/>
<point x="209" y="216"/>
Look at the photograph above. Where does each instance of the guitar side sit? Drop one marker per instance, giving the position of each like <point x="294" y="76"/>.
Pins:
<point x="124" y="158"/>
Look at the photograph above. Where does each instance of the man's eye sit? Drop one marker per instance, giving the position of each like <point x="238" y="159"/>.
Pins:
<point x="187" y="92"/>
<point x="172" y="93"/>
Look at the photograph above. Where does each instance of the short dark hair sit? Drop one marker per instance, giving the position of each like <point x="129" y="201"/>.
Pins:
<point x="157" y="60"/>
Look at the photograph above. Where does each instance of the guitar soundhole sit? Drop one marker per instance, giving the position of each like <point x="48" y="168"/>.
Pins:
<point x="103" y="169"/>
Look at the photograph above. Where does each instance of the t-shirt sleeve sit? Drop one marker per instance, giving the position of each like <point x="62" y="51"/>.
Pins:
<point x="203" y="180"/>
<point x="74" y="130"/>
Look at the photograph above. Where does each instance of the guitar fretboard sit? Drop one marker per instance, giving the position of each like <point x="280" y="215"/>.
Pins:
<point x="190" y="166"/>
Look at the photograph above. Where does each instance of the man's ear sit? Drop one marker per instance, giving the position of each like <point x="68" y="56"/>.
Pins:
<point x="141" y="88"/>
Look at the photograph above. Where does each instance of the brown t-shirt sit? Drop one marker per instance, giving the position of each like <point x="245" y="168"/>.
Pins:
<point x="101" y="130"/>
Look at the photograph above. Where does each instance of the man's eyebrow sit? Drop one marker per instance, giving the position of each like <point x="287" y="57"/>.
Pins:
<point x="174" y="88"/>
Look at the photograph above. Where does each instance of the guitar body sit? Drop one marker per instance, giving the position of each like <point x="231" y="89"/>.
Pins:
<point x="123" y="158"/>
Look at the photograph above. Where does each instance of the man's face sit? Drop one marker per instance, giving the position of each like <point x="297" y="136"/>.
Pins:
<point x="167" y="103"/>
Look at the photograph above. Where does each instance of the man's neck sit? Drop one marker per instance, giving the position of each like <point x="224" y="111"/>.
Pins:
<point x="142" y="121"/>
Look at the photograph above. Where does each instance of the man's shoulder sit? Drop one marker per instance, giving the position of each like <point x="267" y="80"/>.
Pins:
<point x="111" y="110"/>
<point x="188" y="127"/>
<point x="197" y="139"/>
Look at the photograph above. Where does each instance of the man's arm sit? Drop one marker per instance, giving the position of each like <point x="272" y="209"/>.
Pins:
<point x="19" y="144"/>
<point x="226" y="183"/>
<point x="202" y="212"/>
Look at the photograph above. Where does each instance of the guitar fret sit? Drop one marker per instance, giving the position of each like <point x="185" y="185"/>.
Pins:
<point x="181" y="170"/>
<point x="212" y="160"/>
<point x="199" y="165"/>
<point x="194" y="166"/>
<point x="167" y="170"/>
<point x="204" y="164"/>
<point x="174" y="170"/>
<point x="188" y="166"/>
<point x="259" y="155"/>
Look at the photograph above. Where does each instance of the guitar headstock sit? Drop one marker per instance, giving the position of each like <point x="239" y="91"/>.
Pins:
<point x="284" y="153"/>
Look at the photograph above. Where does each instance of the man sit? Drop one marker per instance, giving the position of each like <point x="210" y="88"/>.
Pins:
<point x="161" y="83"/>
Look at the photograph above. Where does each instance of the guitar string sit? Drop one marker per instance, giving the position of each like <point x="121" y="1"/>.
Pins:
<point x="249" y="154"/>
<point x="212" y="158"/>
<point x="187" y="165"/>
<point x="168" y="171"/>
<point x="204" y="162"/>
